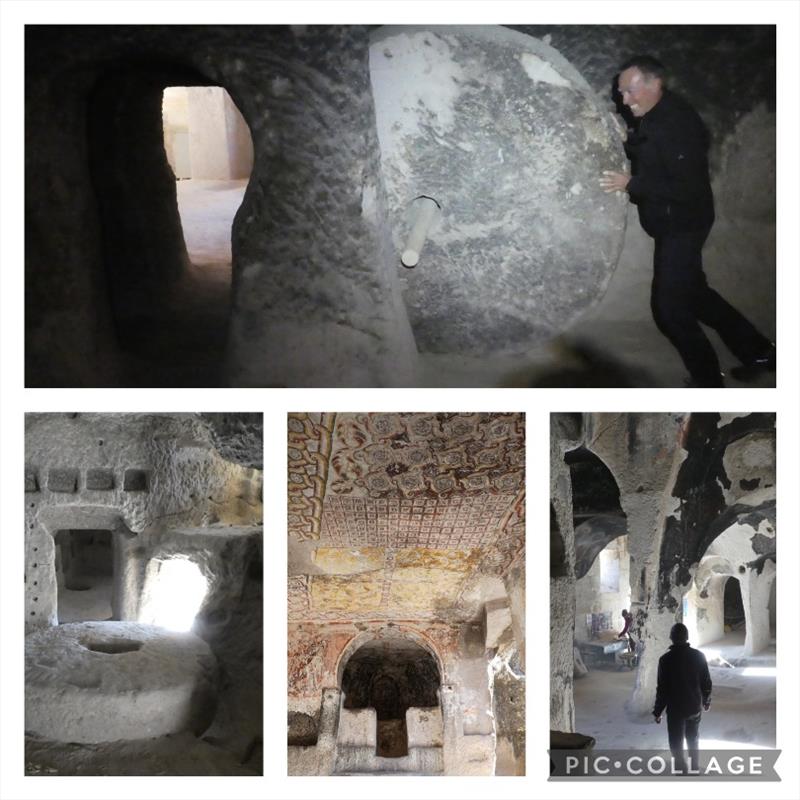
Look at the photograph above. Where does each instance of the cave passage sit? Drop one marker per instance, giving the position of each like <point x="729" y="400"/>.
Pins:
<point x="85" y="575"/>
<point x="391" y="677"/>
<point x="170" y="165"/>
<point x="733" y="605"/>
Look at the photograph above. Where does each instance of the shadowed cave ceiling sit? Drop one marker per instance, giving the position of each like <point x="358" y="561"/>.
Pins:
<point x="402" y="516"/>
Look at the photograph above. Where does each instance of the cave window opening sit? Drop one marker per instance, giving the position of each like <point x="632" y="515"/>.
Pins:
<point x="609" y="570"/>
<point x="174" y="591"/>
<point x="84" y="575"/>
<point x="210" y="151"/>
<point x="391" y="677"/>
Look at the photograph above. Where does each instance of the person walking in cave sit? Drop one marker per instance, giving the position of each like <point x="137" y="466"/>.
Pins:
<point x="670" y="185"/>
<point x="684" y="690"/>
<point x="625" y="633"/>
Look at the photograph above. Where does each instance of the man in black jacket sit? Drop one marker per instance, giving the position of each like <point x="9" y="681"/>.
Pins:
<point x="671" y="187"/>
<point x="684" y="687"/>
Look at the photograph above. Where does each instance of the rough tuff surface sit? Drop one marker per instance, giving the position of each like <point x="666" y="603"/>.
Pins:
<point x="509" y="140"/>
<point x="396" y="516"/>
<point x="238" y="437"/>
<point x="103" y="681"/>
<point x="406" y="574"/>
<point x="698" y="491"/>
<point x="315" y="296"/>
<point x="186" y="483"/>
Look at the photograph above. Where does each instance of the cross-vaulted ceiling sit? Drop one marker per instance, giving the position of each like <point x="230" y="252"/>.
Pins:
<point x="401" y="515"/>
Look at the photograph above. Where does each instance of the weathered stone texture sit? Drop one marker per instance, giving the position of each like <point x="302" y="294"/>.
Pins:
<point x="515" y="123"/>
<point x="63" y="480"/>
<point x="151" y="682"/>
<point x="99" y="479"/>
<point x="698" y="491"/>
<point x="190" y="485"/>
<point x="509" y="141"/>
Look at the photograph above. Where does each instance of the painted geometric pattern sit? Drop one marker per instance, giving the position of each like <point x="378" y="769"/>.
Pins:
<point x="509" y="547"/>
<point x="423" y="522"/>
<point x="397" y="582"/>
<point x="427" y="455"/>
<point x="310" y="437"/>
<point x="419" y="588"/>
<point x="403" y="550"/>
<point x="298" y="597"/>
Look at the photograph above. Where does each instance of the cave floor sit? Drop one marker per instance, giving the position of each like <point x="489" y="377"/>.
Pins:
<point x="186" y="346"/>
<point x="177" y="754"/>
<point x="602" y="351"/>
<point x="742" y="704"/>
<point x="93" y="603"/>
<point x="616" y="345"/>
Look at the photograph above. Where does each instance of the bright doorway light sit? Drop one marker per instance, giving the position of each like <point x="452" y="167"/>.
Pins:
<point x="174" y="591"/>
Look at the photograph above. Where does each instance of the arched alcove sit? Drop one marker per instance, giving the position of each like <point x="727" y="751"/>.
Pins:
<point x="390" y="675"/>
<point x="596" y="510"/>
<point x="732" y="604"/>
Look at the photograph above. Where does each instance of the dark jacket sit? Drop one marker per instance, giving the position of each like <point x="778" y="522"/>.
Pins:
<point x="669" y="160"/>
<point x="684" y="685"/>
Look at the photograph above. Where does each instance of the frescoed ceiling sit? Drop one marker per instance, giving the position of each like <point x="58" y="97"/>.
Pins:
<point x="401" y="515"/>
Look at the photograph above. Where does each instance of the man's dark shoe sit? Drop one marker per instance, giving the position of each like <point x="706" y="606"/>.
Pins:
<point x="764" y="363"/>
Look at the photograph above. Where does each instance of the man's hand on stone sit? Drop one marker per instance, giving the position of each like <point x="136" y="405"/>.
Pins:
<point x="658" y="718"/>
<point x="614" y="181"/>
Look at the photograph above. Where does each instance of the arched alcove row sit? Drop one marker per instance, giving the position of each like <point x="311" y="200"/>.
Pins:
<point x="698" y="494"/>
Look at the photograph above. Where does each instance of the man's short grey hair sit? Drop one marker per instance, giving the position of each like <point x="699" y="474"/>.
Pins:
<point x="647" y="65"/>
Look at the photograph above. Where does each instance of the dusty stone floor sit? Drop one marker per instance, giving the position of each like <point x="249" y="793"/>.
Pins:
<point x="196" y="330"/>
<point x="742" y="705"/>
<point x="93" y="603"/>
<point x="178" y="754"/>
<point x="615" y="344"/>
<point x="622" y="352"/>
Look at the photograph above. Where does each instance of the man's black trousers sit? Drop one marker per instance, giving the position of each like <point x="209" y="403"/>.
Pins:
<point x="678" y="728"/>
<point x="681" y="299"/>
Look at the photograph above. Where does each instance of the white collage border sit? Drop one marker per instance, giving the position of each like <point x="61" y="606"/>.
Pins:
<point x="276" y="403"/>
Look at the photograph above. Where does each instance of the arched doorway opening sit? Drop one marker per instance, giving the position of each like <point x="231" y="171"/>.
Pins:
<point x="604" y="659"/>
<point x="84" y="562"/>
<point x="732" y="606"/>
<point x="210" y="152"/>
<point x="392" y="676"/>
<point x="169" y="305"/>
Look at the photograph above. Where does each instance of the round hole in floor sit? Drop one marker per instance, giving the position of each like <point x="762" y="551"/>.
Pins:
<point x="112" y="646"/>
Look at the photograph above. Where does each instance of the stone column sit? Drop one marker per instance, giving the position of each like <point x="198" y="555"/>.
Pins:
<point x="451" y="728"/>
<point x="644" y="453"/>
<point x="328" y="731"/>
<point x="755" y="598"/>
<point x="562" y="595"/>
